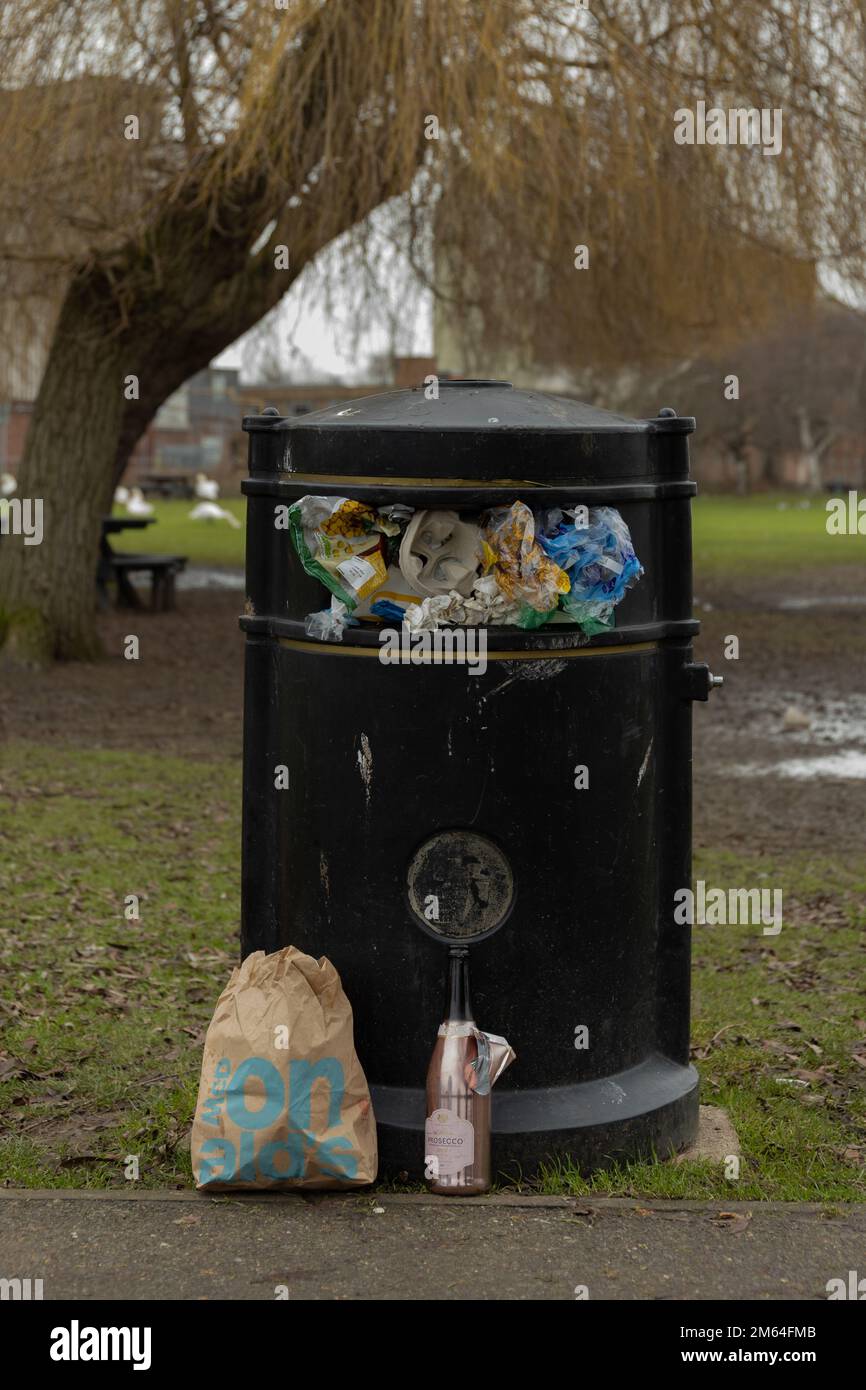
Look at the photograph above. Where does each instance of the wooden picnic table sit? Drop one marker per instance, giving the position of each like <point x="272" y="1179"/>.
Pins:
<point x="112" y="524"/>
<point x="119" y="565"/>
<point x="126" y="594"/>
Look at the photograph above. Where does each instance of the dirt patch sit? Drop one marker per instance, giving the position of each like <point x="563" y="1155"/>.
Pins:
<point x="812" y="662"/>
<point x="185" y="696"/>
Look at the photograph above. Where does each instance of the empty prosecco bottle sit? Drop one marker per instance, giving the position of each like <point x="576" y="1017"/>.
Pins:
<point x="457" y="1131"/>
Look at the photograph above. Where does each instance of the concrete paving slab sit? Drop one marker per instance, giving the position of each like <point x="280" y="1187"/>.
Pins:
<point x="183" y="1245"/>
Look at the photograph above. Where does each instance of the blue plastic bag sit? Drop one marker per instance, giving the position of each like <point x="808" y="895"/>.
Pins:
<point x="600" y="561"/>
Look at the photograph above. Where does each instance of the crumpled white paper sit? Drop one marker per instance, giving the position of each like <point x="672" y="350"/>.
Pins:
<point x="486" y="605"/>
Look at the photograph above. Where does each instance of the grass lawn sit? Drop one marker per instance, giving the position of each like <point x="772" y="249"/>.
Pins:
<point x="104" y="1017"/>
<point x="204" y="542"/>
<point x="779" y="1039"/>
<point x="734" y="535"/>
<point x="767" y="534"/>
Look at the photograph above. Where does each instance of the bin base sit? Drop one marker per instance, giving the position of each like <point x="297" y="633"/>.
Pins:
<point x="649" y="1110"/>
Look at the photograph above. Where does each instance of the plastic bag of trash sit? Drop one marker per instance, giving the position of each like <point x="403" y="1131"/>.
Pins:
<point x="557" y="536"/>
<point x="341" y="543"/>
<point x="530" y="618"/>
<point x="283" y="1102"/>
<point x="329" y="624"/>
<point x="522" y="570"/>
<point x="604" y="567"/>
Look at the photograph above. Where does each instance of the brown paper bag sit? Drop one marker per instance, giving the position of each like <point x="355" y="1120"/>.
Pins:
<point x="283" y="1102"/>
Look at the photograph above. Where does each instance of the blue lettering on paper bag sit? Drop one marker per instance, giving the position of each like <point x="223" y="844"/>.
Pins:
<point x="331" y="1163"/>
<point x="219" y="1161"/>
<point x="301" y="1078"/>
<point x="236" y="1101"/>
<point x="225" y="1151"/>
<point x="281" y="1160"/>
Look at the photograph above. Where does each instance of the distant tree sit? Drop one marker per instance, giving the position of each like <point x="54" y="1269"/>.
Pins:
<point x="817" y="394"/>
<point x="794" y="390"/>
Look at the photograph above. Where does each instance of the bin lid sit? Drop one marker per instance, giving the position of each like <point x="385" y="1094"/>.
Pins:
<point x="470" y="428"/>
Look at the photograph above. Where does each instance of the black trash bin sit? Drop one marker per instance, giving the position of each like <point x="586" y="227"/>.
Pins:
<point x="411" y="780"/>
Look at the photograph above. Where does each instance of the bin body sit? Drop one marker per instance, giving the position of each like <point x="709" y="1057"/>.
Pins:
<point x="425" y="782"/>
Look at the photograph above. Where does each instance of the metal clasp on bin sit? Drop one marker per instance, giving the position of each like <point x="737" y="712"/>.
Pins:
<point x="699" y="680"/>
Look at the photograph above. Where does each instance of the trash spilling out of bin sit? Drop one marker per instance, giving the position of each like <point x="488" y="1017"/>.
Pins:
<point x="485" y="606"/>
<point x="440" y="554"/>
<point x="601" y="569"/>
<point x="522" y="569"/>
<point x="283" y="1101"/>
<point x="508" y="566"/>
<point x="329" y="624"/>
<point x="465" y="1065"/>
<point x="342" y="543"/>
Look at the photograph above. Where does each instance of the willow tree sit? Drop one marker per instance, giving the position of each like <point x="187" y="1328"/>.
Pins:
<point x="169" y="167"/>
<point x="667" y="236"/>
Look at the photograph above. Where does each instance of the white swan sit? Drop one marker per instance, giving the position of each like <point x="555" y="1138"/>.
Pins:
<point x="209" y="511"/>
<point x="206" y="488"/>
<point x="136" y="505"/>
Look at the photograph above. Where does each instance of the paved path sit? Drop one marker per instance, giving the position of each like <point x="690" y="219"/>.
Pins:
<point x="179" y="1245"/>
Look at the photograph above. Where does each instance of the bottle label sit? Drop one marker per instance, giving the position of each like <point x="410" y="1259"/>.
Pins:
<point x="449" y="1144"/>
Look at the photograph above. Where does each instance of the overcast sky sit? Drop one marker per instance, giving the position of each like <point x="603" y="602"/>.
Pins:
<point x="308" y="343"/>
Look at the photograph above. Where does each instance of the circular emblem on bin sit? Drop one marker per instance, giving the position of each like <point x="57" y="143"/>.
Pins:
<point x="460" y="885"/>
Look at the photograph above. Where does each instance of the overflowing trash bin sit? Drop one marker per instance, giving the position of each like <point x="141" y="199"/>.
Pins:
<point x="468" y="695"/>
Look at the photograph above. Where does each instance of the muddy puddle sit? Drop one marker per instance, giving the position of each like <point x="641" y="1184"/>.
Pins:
<point x="795" y="603"/>
<point x="849" y="764"/>
<point x="806" y="737"/>
<point x="200" y="577"/>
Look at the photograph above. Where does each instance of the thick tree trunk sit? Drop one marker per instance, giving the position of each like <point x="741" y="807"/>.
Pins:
<point x="188" y="291"/>
<point x="83" y="427"/>
<point x="47" y="591"/>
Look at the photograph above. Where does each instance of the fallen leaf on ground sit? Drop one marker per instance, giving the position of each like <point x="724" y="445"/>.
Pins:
<point x="732" y="1220"/>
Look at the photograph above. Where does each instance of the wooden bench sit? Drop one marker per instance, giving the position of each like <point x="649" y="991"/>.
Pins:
<point x="162" y="570"/>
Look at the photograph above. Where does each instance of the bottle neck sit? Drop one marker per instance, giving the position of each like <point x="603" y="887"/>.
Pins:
<point x="459" y="1004"/>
